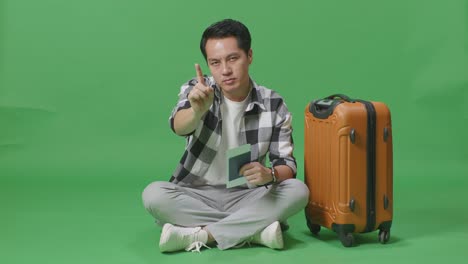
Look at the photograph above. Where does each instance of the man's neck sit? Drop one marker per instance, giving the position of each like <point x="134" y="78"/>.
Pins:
<point x="239" y="97"/>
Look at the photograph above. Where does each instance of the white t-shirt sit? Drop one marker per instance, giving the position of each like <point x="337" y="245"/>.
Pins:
<point x="232" y="113"/>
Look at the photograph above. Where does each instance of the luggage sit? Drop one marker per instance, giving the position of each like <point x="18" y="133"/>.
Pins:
<point x="348" y="167"/>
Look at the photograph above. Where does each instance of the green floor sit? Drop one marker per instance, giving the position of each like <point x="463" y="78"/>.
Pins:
<point x="49" y="220"/>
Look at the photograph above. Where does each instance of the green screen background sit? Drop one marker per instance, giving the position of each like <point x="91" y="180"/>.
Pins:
<point x="86" y="89"/>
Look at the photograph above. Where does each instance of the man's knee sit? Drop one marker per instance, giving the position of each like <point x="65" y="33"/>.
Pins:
<point x="297" y="192"/>
<point x="155" y="196"/>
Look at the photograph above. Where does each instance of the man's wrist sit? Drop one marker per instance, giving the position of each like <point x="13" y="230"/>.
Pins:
<point x="197" y="116"/>
<point x="274" y="179"/>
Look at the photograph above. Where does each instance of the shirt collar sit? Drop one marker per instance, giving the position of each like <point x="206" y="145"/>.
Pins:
<point x="255" y="97"/>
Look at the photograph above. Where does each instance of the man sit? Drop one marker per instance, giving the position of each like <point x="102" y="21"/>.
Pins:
<point x="216" y="114"/>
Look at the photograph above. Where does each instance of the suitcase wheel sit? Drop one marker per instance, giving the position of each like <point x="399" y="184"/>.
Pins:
<point x="347" y="239"/>
<point x="384" y="236"/>
<point x="314" y="228"/>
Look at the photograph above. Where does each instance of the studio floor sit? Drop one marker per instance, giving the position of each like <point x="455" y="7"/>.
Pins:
<point x="50" y="220"/>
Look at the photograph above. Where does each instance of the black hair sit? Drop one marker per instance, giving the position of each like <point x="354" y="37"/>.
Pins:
<point x="227" y="28"/>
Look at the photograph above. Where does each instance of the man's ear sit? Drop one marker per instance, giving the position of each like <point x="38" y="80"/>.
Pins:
<point x="250" y="56"/>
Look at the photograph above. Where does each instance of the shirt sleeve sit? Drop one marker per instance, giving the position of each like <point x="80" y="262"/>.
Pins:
<point x="282" y="146"/>
<point x="183" y="102"/>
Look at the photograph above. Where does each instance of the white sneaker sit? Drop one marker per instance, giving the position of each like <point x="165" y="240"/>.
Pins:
<point x="271" y="236"/>
<point x="174" y="238"/>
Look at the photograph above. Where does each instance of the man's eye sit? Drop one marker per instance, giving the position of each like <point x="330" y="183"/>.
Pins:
<point x="214" y="63"/>
<point x="232" y="58"/>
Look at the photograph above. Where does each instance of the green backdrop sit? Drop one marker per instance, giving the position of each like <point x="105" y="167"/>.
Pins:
<point x="86" y="88"/>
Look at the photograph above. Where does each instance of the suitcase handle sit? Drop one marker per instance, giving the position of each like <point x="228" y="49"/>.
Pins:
<point x="341" y="96"/>
<point x="323" y="108"/>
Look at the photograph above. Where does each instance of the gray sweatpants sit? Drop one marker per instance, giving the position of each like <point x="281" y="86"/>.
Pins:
<point x="230" y="215"/>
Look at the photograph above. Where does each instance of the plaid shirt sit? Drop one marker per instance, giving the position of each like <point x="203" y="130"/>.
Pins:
<point x="266" y="125"/>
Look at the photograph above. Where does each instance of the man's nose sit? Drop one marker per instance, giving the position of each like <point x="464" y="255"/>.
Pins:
<point x="226" y="70"/>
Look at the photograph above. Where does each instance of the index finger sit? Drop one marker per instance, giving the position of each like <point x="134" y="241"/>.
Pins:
<point x="200" y="77"/>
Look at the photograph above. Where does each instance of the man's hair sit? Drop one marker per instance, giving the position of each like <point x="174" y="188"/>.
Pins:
<point x="227" y="28"/>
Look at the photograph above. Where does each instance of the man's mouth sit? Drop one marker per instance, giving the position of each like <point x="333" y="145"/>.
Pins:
<point x="229" y="81"/>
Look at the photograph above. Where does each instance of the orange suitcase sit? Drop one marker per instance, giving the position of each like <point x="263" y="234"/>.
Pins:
<point x="348" y="167"/>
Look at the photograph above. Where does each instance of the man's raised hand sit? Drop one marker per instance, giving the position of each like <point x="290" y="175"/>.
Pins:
<point x="201" y="96"/>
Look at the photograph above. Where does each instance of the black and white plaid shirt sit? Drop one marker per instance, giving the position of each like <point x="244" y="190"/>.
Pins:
<point x="266" y="125"/>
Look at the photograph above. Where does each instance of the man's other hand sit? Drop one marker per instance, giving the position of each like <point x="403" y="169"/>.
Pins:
<point x="256" y="173"/>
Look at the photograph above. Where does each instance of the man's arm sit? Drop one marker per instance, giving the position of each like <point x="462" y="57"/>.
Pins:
<point x="257" y="174"/>
<point x="185" y="121"/>
<point x="281" y="152"/>
<point x="201" y="99"/>
<point x="281" y="156"/>
<point x="283" y="172"/>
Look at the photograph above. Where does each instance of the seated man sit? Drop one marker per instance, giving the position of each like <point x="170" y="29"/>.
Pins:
<point x="215" y="114"/>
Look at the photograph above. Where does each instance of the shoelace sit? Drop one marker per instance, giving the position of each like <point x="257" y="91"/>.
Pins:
<point x="248" y="242"/>
<point x="196" y="246"/>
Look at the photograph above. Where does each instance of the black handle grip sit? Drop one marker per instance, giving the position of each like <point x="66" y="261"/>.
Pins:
<point x="323" y="108"/>
<point x="341" y="96"/>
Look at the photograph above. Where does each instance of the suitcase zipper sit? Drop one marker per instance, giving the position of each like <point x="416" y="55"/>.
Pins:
<point x="371" y="165"/>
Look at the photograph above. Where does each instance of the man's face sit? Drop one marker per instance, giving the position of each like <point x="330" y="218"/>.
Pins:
<point x="229" y="66"/>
